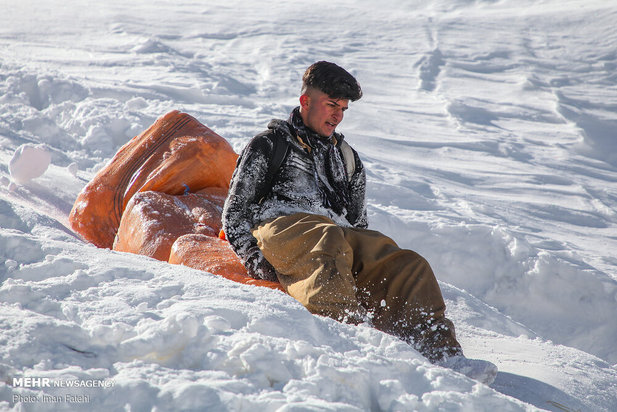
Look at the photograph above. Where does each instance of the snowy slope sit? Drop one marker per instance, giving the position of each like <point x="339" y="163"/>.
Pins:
<point x="488" y="132"/>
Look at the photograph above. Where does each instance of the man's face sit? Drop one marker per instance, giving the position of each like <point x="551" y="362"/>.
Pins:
<point x="321" y="113"/>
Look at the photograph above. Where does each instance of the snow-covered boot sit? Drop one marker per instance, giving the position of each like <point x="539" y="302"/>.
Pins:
<point x="477" y="369"/>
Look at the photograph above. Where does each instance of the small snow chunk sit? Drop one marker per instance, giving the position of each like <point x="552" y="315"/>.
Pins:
<point x="73" y="169"/>
<point x="29" y="162"/>
<point x="150" y="46"/>
<point x="136" y="104"/>
<point x="10" y="264"/>
<point x="96" y="137"/>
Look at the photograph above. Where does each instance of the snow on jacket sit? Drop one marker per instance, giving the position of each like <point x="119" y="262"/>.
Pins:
<point x="311" y="179"/>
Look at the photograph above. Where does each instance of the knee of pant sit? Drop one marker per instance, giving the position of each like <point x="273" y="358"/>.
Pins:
<point x="332" y="239"/>
<point x="420" y="262"/>
<point x="416" y="256"/>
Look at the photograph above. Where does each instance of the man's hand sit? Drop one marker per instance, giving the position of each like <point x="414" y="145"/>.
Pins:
<point x="258" y="267"/>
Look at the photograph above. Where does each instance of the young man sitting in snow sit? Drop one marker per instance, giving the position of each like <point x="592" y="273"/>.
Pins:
<point x="305" y="224"/>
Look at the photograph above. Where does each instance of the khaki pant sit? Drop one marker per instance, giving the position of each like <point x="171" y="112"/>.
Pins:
<point x="345" y="273"/>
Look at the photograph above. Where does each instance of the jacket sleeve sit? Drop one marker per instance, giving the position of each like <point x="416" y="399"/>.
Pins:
<point x="356" y="212"/>
<point x="249" y="184"/>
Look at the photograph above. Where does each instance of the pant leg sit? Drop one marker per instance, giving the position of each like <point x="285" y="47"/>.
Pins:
<point x="313" y="263"/>
<point x="343" y="272"/>
<point x="400" y="290"/>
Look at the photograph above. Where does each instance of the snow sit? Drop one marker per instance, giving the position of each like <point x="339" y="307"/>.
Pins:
<point x="488" y="133"/>
<point x="29" y="162"/>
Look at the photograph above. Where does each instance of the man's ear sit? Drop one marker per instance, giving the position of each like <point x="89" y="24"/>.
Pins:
<point x="304" y="101"/>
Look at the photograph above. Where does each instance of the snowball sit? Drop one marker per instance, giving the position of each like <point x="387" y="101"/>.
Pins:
<point x="29" y="162"/>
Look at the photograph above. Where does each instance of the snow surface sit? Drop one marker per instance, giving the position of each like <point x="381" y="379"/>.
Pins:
<point x="488" y="131"/>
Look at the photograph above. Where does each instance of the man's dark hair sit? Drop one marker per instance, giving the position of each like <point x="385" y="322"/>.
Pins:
<point x="331" y="79"/>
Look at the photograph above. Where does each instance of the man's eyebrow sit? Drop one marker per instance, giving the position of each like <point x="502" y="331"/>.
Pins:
<point x="336" y="102"/>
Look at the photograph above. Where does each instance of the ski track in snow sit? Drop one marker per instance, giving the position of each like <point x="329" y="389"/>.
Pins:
<point x="488" y="133"/>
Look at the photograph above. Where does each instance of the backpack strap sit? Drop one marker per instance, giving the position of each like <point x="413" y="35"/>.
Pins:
<point x="279" y="153"/>
<point x="349" y="158"/>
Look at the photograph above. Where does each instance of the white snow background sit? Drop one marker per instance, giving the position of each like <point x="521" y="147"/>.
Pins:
<point x="489" y="131"/>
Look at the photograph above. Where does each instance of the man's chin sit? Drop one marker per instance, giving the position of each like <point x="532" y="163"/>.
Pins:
<point x="327" y="131"/>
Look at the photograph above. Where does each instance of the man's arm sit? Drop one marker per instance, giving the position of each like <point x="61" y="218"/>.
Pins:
<point x="356" y="212"/>
<point x="249" y="184"/>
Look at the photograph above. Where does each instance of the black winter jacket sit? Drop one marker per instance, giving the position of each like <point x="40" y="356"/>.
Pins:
<point x="311" y="179"/>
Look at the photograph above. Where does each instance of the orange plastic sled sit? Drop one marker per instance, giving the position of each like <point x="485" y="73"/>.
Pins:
<point x="162" y="196"/>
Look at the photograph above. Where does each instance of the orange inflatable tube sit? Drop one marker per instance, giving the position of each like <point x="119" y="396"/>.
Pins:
<point x="176" y="154"/>
<point x="162" y="196"/>
<point x="213" y="255"/>
<point x="152" y="221"/>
